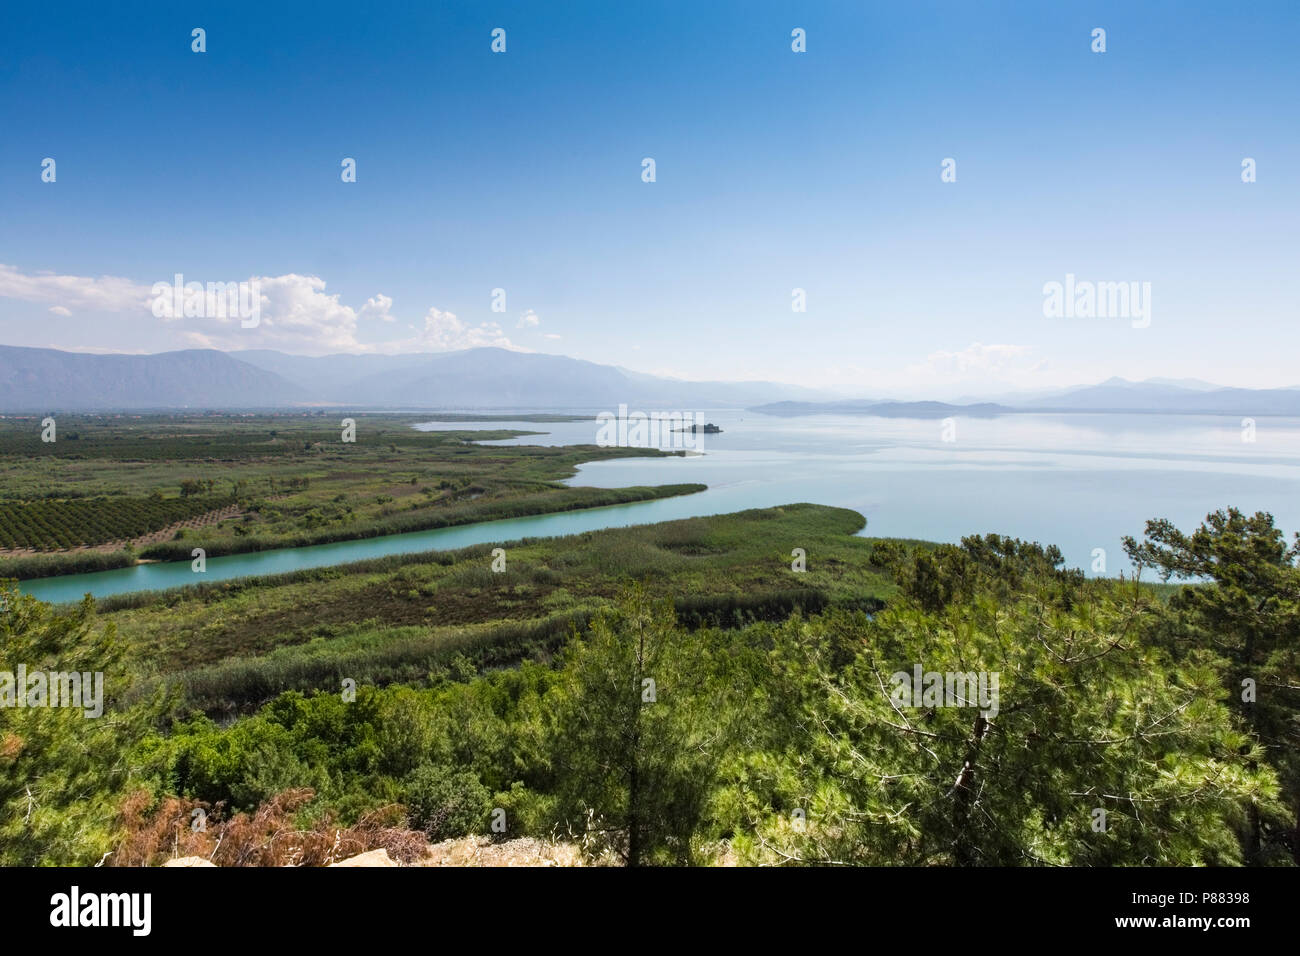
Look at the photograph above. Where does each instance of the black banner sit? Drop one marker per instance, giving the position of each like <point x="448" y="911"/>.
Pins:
<point x="144" y="906"/>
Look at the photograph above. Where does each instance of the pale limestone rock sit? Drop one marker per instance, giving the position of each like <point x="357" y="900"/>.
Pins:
<point x="372" y="858"/>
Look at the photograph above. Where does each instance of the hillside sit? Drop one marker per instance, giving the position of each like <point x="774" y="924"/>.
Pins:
<point x="46" y="380"/>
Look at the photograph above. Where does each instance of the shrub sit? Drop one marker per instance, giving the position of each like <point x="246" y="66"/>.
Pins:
<point x="446" y="803"/>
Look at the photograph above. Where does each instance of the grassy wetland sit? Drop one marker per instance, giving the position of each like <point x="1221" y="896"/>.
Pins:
<point x="111" y="490"/>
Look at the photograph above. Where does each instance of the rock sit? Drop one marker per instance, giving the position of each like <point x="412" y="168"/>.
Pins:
<point x="189" y="861"/>
<point x="483" y="851"/>
<point x="372" y="858"/>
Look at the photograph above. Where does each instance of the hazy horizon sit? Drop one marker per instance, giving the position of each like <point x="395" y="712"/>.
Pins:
<point x="824" y="394"/>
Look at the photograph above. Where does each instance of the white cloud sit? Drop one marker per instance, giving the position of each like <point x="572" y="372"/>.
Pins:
<point x="444" y="332"/>
<point x="103" y="294"/>
<point x="297" y="314"/>
<point x="296" y="309"/>
<point x="528" y="320"/>
<point x="551" y="335"/>
<point x="974" y="367"/>
<point x="377" y="307"/>
<point x="979" y="358"/>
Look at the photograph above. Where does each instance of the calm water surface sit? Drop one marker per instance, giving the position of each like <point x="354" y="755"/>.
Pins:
<point x="1081" y="482"/>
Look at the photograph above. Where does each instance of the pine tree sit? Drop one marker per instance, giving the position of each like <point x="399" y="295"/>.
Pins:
<point x="1245" y="609"/>
<point x="636" y="731"/>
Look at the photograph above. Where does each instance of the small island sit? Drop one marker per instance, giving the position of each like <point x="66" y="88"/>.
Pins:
<point x="709" y="429"/>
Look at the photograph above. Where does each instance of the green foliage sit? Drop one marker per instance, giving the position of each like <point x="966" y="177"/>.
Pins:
<point x="1092" y="717"/>
<point x="287" y="475"/>
<point x="632" y="724"/>
<point x="316" y="529"/>
<point x="445" y="803"/>
<point x="46" y="525"/>
<point x="1247" y="609"/>
<point x="47" y="565"/>
<point x="239" y="683"/>
<point x="740" y="579"/>
<point x="62" y="772"/>
<point x="773" y="731"/>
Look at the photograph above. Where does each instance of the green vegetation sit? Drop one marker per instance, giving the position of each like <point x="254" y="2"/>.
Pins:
<point x="723" y="570"/>
<point x="671" y="694"/>
<point x="255" y="482"/>
<point x="1251" y="620"/>
<point x="47" y="525"/>
<point x="550" y="501"/>
<point x="677" y="694"/>
<point x="62" y="775"/>
<point x="79" y="562"/>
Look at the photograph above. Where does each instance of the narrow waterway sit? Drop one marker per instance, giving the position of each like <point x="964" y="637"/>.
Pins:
<point x="154" y="577"/>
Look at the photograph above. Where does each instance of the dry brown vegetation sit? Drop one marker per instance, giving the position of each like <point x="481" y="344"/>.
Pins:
<point x="271" y="837"/>
<point x="268" y="837"/>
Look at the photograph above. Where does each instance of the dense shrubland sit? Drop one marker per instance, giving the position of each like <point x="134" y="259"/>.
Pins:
<point x="1120" y="735"/>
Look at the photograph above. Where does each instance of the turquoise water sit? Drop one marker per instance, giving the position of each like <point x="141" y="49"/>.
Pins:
<point x="1081" y="482"/>
<point x="153" y="577"/>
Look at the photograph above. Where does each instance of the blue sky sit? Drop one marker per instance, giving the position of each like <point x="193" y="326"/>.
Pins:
<point x="775" y="170"/>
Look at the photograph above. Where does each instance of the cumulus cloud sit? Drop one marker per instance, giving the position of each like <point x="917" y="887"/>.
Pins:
<point x="296" y="309"/>
<point x="296" y="313"/>
<point x="443" y="331"/>
<point x="377" y="307"/>
<point x="102" y="294"/>
<point x="528" y="320"/>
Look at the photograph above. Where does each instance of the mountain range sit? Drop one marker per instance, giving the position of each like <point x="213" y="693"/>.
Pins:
<point x="885" y="409"/>
<point x="42" y="380"/>
<point x="1154" y="395"/>
<point x="46" y="380"/>
<point x="1115" y="395"/>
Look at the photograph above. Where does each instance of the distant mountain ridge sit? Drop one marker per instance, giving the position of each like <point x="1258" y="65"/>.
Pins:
<point x="885" y="409"/>
<point x="1113" y="396"/>
<point x="49" y="379"/>
<point x="40" y="380"/>
<point x="500" y="378"/>
<point x="1120" y="395"/>
<point x="46" y="380"/>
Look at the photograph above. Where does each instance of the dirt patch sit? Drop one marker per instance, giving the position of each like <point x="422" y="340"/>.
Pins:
<point x="482" y="851"/>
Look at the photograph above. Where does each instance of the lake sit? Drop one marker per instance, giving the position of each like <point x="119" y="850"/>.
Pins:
<point x="1081" y="482"/>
